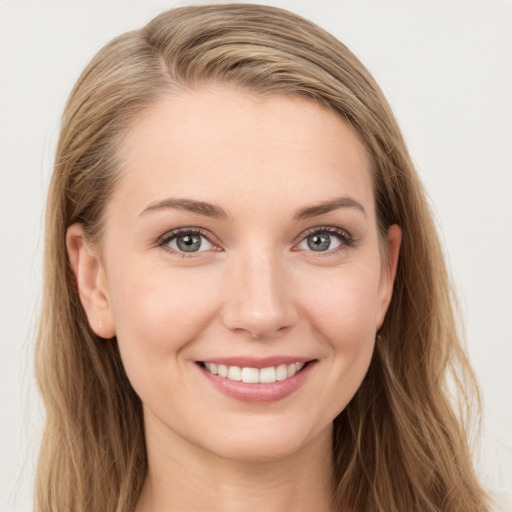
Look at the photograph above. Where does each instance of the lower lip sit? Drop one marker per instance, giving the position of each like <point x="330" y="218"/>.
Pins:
<point x="259" y="393"/>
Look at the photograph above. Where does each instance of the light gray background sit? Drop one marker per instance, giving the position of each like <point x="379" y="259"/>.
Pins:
<point x="445" y="67"/>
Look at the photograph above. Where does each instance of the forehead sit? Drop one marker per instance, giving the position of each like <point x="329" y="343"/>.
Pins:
<point x="223" y="143"/>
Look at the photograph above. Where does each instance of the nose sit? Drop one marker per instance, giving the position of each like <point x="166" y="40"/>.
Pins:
<point x="260" y="301"/>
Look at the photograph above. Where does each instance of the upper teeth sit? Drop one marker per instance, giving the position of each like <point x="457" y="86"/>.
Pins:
<point x="254" y="375"/>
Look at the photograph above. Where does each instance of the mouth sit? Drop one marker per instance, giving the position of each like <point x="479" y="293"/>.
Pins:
<point x="257" y="381"/>
<point x="250" y="375"/>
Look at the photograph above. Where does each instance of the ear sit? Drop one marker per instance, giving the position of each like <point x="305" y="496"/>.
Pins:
<point x="388" y="271"/>
<point x="91" y="282"/>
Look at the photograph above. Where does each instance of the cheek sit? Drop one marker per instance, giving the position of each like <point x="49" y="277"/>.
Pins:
<point x="344" y="320"/>
<point x="157" y="314"/>
<point x="344" y="308"/>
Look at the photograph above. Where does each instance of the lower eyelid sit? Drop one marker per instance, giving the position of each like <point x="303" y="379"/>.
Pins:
<point x="172" y="239"/>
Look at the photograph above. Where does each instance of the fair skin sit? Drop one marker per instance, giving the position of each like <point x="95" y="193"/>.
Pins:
<point x="259" y="280"/>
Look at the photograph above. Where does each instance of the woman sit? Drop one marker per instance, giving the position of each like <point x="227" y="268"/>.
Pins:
<point x="246" y="304"/>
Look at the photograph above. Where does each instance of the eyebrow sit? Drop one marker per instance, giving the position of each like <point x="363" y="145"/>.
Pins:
<point x="328" y="206"/>
<point x="211" y="210"/>
<point x="190" y="205"/>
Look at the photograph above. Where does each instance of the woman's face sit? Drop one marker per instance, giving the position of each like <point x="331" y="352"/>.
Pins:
<point x="241" y="243"/>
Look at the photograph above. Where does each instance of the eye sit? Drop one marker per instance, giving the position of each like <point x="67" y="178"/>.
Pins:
<point x="186" y="241"/>
<point x="325" y="239"/>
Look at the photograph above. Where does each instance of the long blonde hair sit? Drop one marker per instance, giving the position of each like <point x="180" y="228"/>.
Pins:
<point x="399" y="445"/>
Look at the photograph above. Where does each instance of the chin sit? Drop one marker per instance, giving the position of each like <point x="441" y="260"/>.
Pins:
<point x="266" y="443"/>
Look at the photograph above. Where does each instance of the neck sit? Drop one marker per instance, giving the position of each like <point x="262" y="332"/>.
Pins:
<point x="185" y="477"/>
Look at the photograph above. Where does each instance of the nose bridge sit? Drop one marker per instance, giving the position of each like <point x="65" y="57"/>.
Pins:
<point x="260" y="301"/>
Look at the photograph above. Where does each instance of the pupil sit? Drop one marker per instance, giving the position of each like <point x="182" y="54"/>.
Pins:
<point x="189" y="243"/>
<point x="319" y="242"/>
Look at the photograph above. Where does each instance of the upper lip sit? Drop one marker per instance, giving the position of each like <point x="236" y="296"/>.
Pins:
<point x="256" y="362"/>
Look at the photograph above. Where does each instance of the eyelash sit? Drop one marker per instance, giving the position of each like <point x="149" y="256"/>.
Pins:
<point x="346" y="239"/>
<point x="343" y="236"/>
<point x="171" y="235"/>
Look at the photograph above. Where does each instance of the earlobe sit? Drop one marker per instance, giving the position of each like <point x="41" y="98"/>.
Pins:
<point x="91" y="283"/>
<point x="388" y="272"/>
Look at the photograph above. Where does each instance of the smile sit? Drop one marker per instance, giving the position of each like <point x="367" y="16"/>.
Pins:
<point x="267" y="375"/>
<point x="257" y="380"/>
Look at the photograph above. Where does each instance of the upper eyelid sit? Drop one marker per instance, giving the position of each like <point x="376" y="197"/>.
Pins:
<point x="321" y="229"/>
<point x="173" y="233"/>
